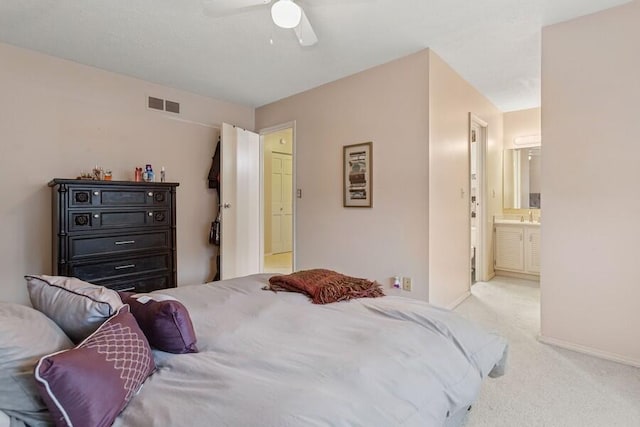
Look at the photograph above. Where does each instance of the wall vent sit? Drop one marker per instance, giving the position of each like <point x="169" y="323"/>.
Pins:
<point x="162" y="105"/>
<point x="156" y="103"/>
<point x="172" y="107"/>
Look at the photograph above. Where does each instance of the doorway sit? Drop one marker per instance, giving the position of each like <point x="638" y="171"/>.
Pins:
<point x="477" y="194"/>
<point x="277" y="196"/>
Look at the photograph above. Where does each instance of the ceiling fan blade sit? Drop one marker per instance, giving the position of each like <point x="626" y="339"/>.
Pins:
<point x="304" y="32"/>
<point x="220" y="8"/>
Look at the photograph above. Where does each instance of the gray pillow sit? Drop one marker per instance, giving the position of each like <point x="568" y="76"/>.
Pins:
<point x="25" y="336"/>
<point x="78" y="307"/>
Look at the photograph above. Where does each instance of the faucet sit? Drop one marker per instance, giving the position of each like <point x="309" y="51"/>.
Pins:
<point x="530" y="216"/>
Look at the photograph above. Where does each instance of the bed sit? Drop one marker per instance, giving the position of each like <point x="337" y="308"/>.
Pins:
<point x="275" y="359"/>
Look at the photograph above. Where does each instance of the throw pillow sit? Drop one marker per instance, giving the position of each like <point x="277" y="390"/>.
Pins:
<point x="77" y="307"/>
<point x="92" y="383"/>
<point x="164" y="320"/>
<point x="25" y="336"/>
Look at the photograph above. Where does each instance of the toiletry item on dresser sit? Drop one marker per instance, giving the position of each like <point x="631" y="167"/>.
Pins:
<point x="162" y="175"/>
<point x="138" y="175"/>
<point x="148" y="176"/>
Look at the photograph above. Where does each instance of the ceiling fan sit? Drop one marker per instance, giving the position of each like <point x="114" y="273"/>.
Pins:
<point x="284" y="13"/>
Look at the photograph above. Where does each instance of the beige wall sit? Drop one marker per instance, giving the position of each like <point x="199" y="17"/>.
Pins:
<point x="58" y="117"/>
<point x="64" y="117"/>
<point x="388" y="105"/>
<point x="451" y="101"/>
<point x="419" y="225"/>
<point x="272" y="144"/>
<point x="521" y="123"/>
<point x="590" y="125"/>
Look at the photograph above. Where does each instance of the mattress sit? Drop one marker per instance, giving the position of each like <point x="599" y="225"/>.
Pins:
<point x="275" y="359"/>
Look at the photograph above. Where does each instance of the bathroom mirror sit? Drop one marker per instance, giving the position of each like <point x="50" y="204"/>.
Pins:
<point x="521" y="177"/>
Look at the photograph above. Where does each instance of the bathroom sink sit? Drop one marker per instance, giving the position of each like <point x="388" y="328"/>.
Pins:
<point x="515" y="221"/>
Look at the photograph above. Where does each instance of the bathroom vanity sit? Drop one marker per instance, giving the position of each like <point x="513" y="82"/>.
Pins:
<point x="517" y="247"/>
<point x="517" y="235"/>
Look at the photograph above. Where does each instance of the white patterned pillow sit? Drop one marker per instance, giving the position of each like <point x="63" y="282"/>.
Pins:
<point x="92" y="383"/>
<point x="78" y="307"/>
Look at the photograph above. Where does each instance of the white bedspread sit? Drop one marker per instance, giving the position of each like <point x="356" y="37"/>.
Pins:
<point x="270" y="359"/>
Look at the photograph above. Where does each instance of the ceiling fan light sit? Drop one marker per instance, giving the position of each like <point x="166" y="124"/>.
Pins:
<point x="286" y="14"/>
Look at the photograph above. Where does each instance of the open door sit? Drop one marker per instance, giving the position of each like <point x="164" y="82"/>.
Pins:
<point x="240" y="202"/>
<point x="477" y="197"/>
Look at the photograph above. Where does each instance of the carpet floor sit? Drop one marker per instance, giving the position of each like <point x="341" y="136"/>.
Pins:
<point x="545" y="385"/>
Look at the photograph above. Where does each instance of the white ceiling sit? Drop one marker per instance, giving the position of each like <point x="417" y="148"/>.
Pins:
<point x="494" y="44"/>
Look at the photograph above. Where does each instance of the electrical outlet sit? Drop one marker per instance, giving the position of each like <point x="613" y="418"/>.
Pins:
<point x="406" y="284"/>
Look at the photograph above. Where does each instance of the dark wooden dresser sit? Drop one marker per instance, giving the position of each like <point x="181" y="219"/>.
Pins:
<point x="119" y="234"/>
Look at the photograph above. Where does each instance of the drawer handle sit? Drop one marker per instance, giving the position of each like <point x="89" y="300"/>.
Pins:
<point x="150" y="214"/>
<point x="95" y="193"/>
<point x="82" y="197"/>
<point x="122" y="267"/>
<point x="96" y="216"/>
<point x="131" y="288"/>
<point x="150" y="194"/>
<point x="125" y="242"/>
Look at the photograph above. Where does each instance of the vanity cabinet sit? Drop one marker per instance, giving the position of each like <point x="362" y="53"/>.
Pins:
<point x="517" y="248"/>
<point x="532" y="250"/>
<point x="118" y="234"/>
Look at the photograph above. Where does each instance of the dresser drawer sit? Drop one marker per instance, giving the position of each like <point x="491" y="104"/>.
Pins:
<point x="118" y="196"/>
<point x="85" y="246"/>
<point x="102" y="270"/>
<point x="108" y="219"/>
<point x="140" y="284"/>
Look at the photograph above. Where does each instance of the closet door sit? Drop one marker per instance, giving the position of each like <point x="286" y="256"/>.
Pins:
<point x="281" y="203"/>
<point x="240" y="200"/>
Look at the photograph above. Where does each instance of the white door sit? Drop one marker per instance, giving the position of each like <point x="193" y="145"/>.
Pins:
<point x="287" y="217"/>
<point x="477" y="194"/>
<point x="281" y="202"/>
<point x="240" y="200"/>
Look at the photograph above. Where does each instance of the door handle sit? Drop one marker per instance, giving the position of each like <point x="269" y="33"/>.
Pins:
<point x="226" y="205"/>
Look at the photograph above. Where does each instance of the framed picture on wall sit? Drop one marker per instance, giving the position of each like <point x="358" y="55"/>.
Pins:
<point x="357" y="182"/>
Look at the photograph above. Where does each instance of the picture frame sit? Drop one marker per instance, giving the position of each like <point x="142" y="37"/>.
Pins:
<point x="357" y="175"/>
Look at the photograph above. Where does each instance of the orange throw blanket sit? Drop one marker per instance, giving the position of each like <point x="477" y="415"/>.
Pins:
<point x="325" y="286"/>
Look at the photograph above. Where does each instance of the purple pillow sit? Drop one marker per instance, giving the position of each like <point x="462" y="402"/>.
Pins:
<point x="92" y="383"/>
<point x="164" y="320"/>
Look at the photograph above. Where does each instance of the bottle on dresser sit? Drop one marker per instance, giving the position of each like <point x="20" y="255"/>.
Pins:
<point x="148" y="176"/>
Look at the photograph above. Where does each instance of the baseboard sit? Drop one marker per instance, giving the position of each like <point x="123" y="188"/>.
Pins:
<point x="457" y="302"/>
<point x="513" y="274"/>
<point x="590" y="351"/>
